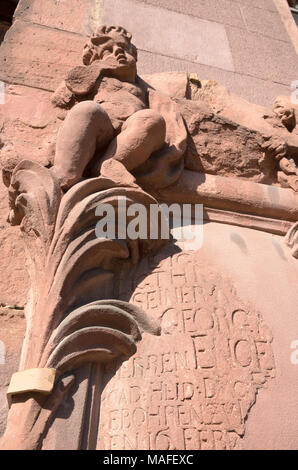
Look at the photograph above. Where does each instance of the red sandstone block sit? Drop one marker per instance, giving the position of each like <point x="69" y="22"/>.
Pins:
<point x="263" y="57"/>
<point x="12" y="330"/>
<point x="14" y="278"/>
<point x="221" y="11"/>
<point x="22" y="62"/>
<point x="74" y="15"/>
<point x="29" y="125"/>
<point x="28" y="131"/>
<point x="264" y="22"/>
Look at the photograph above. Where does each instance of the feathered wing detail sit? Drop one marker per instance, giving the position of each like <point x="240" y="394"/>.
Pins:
<point x="98" y="332"/>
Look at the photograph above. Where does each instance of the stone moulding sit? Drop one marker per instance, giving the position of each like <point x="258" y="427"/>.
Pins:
<point x="265" y="224"/>
<point x="236" y="202"/>
<point x="233" y="194"/>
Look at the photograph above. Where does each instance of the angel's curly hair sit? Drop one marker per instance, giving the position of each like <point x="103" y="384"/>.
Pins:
<point x="99" y="36"/>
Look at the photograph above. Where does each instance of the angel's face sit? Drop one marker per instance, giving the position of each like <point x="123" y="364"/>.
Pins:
<point x="117" y="53"/>
<point x="119" y="49"/>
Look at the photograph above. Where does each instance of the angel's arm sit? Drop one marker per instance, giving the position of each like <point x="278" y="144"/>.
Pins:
<point x="78" y="82"/>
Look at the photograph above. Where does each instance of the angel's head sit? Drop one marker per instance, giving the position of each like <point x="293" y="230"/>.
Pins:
<point x="112" y="44"/>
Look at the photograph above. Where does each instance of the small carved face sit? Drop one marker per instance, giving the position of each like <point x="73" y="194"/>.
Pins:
<point x="118" y="48"/>
<point x="285" y="112"/>
<point x="118" y="55"/>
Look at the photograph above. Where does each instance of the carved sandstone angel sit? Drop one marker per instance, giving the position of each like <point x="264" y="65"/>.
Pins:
<point x="112" y="118"/>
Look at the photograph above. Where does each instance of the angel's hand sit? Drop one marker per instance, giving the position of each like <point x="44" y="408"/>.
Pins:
<point x="81" y="79"/>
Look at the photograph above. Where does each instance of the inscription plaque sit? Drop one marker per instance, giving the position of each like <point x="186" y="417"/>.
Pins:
<point x="191" y="387"/>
